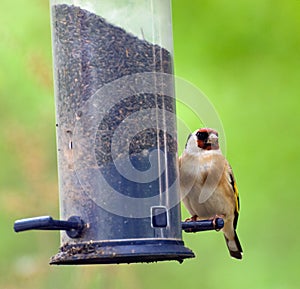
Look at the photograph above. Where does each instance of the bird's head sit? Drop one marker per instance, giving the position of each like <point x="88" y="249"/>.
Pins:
<point x="203" y="139"/>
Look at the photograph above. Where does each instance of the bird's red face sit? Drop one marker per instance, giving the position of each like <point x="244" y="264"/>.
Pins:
<point x="207" y="139"/>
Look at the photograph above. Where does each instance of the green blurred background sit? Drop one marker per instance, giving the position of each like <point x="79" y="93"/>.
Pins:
<point x="245" y="56"/>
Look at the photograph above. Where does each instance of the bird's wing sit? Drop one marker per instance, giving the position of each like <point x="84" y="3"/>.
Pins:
<point x="236" y="196"/>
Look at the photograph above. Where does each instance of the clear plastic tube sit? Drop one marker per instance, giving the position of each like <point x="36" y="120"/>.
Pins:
<point x="116" y="119"/>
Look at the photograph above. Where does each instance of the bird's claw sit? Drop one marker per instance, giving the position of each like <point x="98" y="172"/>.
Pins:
<point x="192" y="219"/>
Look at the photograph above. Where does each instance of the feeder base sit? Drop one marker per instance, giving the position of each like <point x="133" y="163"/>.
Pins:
<point x="116" y="252"/>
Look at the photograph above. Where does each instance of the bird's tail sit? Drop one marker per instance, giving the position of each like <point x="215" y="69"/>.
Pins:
<point x="234" y="247"/>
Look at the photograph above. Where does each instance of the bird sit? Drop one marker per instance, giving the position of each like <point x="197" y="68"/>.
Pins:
<point x="207" y="185"/>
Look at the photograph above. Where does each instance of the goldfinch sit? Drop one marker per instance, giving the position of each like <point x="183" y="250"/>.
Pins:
<point x="207" y="185"/>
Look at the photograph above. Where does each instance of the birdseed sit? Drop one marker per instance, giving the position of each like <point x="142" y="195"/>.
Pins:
<point x="90" y="52"/>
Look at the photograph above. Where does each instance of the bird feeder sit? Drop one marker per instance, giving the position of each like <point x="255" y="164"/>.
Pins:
<point x="116" y="134"/>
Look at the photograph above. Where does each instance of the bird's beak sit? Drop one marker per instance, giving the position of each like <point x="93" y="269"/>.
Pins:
<point x="212" y="139"/>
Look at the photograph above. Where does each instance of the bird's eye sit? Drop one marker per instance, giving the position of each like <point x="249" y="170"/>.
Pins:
<point x="202" y="135"/>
